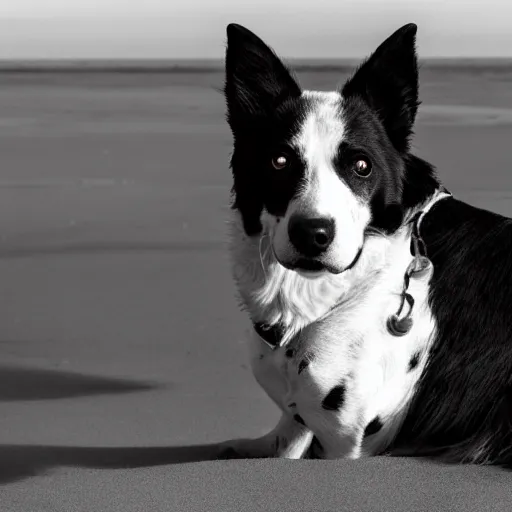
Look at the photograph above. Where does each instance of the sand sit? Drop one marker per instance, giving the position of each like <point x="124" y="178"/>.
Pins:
<point x="121" y="346"/>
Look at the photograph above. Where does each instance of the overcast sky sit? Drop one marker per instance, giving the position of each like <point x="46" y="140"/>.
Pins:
<point x="295" y="28"/>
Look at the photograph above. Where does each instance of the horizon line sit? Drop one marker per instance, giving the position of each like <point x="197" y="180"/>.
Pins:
<point x="205" y="65"/>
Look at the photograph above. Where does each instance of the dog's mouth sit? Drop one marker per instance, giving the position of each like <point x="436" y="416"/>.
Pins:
<point x="314" y="267"/>
<point x="309" y="265"/>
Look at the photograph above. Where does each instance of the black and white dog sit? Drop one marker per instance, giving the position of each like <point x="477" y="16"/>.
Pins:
<point x="380" y="305"/>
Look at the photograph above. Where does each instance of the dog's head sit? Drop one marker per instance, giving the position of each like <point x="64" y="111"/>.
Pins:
<point x="315" y="171"/>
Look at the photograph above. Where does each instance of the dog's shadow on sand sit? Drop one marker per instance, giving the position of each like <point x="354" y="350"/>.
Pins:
<point x="18" y="462"/>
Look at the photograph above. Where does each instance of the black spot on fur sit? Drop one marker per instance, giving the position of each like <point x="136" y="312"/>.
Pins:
<point x="289" y="353"/>
<point x="373" y="427"/>
<point x="298" y="419"/>
<point x="261" y="356"/>
<point x="303" y="365"/>
<point x="293" y="404"/>
<point x="413" y="363"/>
<point x="334" y="400"/>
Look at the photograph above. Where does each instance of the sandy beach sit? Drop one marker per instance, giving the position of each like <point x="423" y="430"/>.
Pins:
<point x="122" y="348"/>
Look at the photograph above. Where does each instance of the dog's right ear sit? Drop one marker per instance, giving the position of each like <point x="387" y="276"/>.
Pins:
<point x="388" y="82"/>
<point x="256" y="79"/>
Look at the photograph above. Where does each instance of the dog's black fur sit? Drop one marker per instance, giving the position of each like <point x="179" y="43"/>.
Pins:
<point x="462" y="409"/>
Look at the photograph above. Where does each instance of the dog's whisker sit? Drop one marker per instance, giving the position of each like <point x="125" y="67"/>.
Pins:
<point x="263" y="255"/>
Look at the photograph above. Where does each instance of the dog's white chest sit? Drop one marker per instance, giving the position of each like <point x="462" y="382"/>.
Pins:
<point x="347" y="366"/>
<point x="331" y="349"/>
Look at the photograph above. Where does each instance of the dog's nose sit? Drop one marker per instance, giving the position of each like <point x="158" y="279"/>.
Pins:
<point x="311" y="236"/>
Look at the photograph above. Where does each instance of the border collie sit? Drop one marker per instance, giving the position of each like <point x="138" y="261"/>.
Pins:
<point x="380" y="305"/>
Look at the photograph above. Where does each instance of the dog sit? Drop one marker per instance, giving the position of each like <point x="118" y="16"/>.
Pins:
<point x="379" y="304"/>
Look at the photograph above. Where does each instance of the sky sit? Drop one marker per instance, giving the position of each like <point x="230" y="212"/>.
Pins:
<point x="70" y="29"/>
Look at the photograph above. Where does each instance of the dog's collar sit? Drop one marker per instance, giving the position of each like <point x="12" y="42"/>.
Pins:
<point x="397" y="324"/>
<point x="418" y="247"/>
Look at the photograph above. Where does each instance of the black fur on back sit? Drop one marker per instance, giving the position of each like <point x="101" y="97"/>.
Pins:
<point x="463" y="405"/>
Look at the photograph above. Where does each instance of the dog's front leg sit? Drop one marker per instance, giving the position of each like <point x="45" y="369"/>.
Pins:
<point x="289" y="440"/>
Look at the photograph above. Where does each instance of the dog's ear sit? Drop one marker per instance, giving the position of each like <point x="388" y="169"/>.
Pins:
<point x="256" y="79"/>
<point x="388" y="82"/>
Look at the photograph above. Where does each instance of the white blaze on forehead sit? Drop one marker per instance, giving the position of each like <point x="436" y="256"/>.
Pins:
<point x="324" y="193"/>
<point x="322" y="130"/>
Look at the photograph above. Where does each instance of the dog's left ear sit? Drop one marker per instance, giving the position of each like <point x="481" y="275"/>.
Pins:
<point x="256" y="79"/>
<point x="388" y="82"/>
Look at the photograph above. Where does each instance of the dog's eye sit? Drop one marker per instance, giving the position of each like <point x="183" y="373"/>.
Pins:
<point x="363" y="167"/>
<point x="280" y="162"/>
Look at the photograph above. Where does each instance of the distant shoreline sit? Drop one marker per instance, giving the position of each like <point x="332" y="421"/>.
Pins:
<point x="216" y="66"/>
